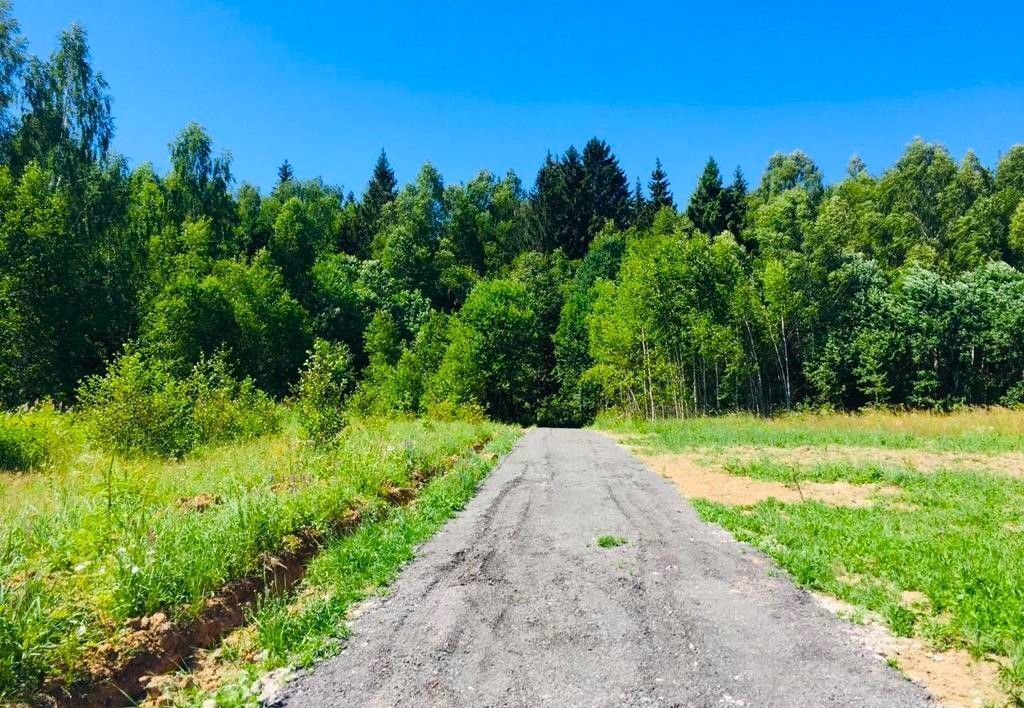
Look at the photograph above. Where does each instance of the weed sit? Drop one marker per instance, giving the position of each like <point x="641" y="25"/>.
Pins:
<point x="609" y="541"/>
<point x="23" y="446"/>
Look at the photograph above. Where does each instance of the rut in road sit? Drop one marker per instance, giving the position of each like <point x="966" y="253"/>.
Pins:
<point x="513" y="603"/>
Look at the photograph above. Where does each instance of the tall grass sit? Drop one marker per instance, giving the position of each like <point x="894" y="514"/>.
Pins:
<point x="32" y="439"/>
<point x="87" y="546"/>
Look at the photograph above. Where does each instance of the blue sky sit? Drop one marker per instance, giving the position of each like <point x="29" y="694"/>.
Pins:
<point x="472" y="85"/>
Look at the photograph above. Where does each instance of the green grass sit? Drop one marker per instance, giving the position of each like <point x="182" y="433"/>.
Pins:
<point x="94" y="541"/>
<point x="954" y="536"/>
<point x="609" y="541"/>
<point x="974" y="430"/>
<point x="308" y="625"/>
<point x="856" y="473"/>
<point x="33" y="439"/>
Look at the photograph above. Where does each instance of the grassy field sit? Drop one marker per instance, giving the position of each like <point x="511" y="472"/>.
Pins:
<point x="977" y="430"/>
<point x="89" y="542"/>
<point x="934" y="543"/>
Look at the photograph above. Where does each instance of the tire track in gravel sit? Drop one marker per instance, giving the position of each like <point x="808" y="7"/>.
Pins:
<point x="513" y="603"/>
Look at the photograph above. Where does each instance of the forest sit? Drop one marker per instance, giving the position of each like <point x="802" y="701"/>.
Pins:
<point x="142" y="294"/>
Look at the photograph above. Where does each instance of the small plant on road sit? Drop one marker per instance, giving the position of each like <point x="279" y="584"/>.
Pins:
<point x="609" y="541"/>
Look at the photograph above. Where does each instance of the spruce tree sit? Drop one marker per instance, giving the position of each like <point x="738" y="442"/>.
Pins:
<point x="561" y="206"/>
<point x="606" y="188"/>
<point x="736" y="203"/>
<point x="707" y="208"/>
<point x="661" y="194"/>
<point x="640" y="206"/>
<point x="381" y="189"/>
<point x="285" y="173"/>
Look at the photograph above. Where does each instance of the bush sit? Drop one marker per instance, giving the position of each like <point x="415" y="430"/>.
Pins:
<point x="23" y="446"/>
<point x="140" y="407"/>
<point x="324" y="385"/>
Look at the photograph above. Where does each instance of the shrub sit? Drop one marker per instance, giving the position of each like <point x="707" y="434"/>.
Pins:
<point x="225" y="408"/>
<point x="324" y="385"/>
<point x="140" y="407"/>
<point x="23" y="446"/>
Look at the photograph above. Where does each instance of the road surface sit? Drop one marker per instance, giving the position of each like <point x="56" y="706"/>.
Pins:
<point x="514" y="604"/>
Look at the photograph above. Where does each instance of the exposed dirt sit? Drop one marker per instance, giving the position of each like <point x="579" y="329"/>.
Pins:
<point x="696" y="479"/>
<point x="953" y="677"/>
<point x="200" y="502"/>
<point x="154" y="645"/>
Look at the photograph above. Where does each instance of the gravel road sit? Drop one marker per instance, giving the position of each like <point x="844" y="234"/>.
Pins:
<point x="514" y="604"/>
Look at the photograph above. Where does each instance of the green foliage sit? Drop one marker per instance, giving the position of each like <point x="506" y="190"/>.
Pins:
<point x="23" y="446"/>
<point x="495" y="355"/>
<point x="141" y="407"/>
<point x="761" y="299"/>
<point x="121" y="542"/>
<point x="325" y="383"/>
<point x="925" y="540"/>
<point x="609" y="541"/>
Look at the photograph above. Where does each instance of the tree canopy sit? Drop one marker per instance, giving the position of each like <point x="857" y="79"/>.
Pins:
<point x="532" y="303"/>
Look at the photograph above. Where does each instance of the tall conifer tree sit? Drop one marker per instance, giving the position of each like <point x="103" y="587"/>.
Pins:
<point x="661" y="193"/>
<point x="707" y="208"/>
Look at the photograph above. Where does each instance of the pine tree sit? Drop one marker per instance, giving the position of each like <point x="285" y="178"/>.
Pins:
<point x="606" y="188"/>
<point x="661" y="194"/>
<point x="640" y="206"/>
<point x="381" y="189"/>
<point x="561" y="206"/>
<point x="736" y="203"/>
<point x="707" y="208"/>
<point x="285" y="173"/>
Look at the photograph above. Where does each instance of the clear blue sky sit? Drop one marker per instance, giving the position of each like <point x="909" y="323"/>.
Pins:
<point x="471" y="85"/>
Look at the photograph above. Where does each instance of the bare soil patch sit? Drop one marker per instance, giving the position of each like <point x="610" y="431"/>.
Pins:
<point x="697" y="479"/>
<point x="953" y="677"/>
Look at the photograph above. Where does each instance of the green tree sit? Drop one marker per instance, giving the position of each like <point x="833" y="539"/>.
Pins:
<point x="67" y="124"/>
<point x="494" y="357"/>
<point x="380" y="190"/>
<point x="660" y="189"/>
<point x="323" y="387"/>
<point x="12" y="59"/>
<point x="606" y="189"/>
<point x="285" y="173"/>
<point x="707" y="207"/>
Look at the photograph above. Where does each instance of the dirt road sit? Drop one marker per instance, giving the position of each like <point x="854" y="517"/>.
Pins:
<point x="514" y="603"/>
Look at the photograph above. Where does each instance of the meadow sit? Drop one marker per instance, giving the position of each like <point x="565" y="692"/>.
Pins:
<point x="912" y="520"/>
<point x="101" y="553"/>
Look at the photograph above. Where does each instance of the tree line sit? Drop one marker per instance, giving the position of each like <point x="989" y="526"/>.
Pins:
<point x="533" y="304"/>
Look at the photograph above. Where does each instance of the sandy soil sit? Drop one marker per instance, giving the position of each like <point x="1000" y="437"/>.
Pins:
<point x="697" y="479"/>
<point x="953" y="677"/>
